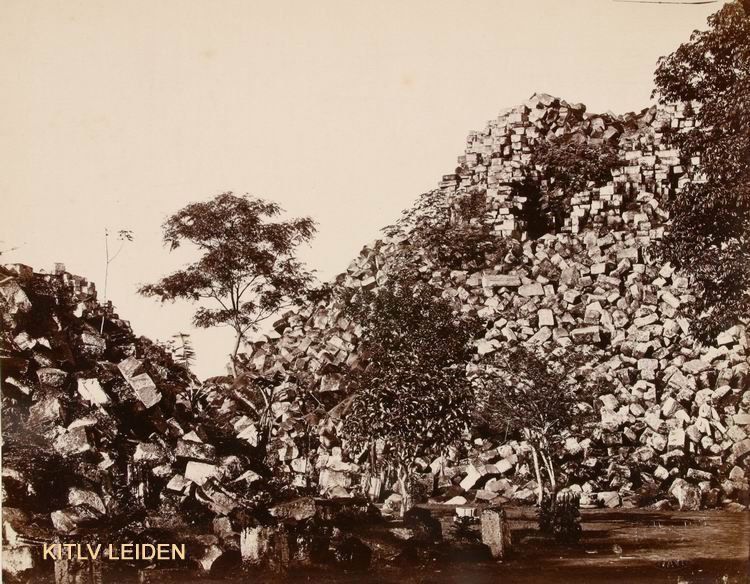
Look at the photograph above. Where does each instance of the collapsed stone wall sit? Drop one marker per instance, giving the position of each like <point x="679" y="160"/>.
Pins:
<point x="675" y="423"/>
<point x="501" y="155"/>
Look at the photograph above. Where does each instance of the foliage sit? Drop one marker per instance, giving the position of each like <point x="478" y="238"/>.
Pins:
<point x="247" y="266"/>
<point x="560" y="516"/>
<point x="711" y="217"/>
<point x="413" y="392"/>
<point x="537" y="398"/>
<point x="181" y="348"/>
<point x="454" y="235"/>
<point x="569" y="164"/>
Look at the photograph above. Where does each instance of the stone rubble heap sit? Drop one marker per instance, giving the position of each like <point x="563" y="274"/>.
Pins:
<point x="676" y="421"/>
<point x="500" y="156"/>
<point x="104" y="427"/>
<point x="103" y="430"/>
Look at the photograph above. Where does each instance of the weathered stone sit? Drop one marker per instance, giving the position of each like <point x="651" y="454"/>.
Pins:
<point x="51" y="376"/>
<point x="255" y="544"/>
<point x="741" y="449"/>
<point x="546" y="317"/>
<point x="195" y="451"/>
<point x="696" y="366"/>
<point x="93" y="345"/>
<point x="297" y="509"/>
<point x="47" y="411"/>
<point x="688" y="496"/>
<point x="78" y="496"/>
<point x="70" y="518"/>
<point x="529" y="290"/>
<point x="74" y="441"/>
<point x="500" y="280"/>
<point x="609" y="498"/>
<point x="496" y="532"/>
<point x="91" y="390"/>
<point x="147" y="452"/>
<point x="130" y="367"/>
<point x="589" y="335"/>
<point x="145" y="389"/>
<point x="392" y="505"/>
<point x="200" y="472"/>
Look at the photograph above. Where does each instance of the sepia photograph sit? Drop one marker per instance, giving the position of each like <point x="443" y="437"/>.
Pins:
<point x="402" y="292"/>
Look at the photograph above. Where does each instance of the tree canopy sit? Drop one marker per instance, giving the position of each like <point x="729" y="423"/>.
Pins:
<point x="413" y="393"/>
<point x="247" y="265"/>
<point x="711" y="217"/>
<point x="537" y="397"/>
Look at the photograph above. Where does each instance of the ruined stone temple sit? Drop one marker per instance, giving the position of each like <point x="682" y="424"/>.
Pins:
<point x="104" y="427"/>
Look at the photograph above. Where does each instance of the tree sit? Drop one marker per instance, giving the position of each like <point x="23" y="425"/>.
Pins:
<point x="711" y="217"/>
<point x="247" y="265"/>
<point x="538" y="398"/>
<point x="413" y="392"/>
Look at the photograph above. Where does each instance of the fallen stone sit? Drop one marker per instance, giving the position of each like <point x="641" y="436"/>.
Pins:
<point x="145" y="389"/>
<point x="688" y="496"/>
<point x="91" y="390"/>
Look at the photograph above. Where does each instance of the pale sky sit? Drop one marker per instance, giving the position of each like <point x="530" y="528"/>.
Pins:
<point x="117" y="113"/>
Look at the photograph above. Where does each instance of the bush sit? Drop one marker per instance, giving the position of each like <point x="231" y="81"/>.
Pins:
<point x="568" y="164"/>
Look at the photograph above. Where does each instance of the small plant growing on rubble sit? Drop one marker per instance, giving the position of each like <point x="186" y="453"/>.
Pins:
<point x="247" y="266"/>
<point x="413" y="392"/>
<point x="710" y="233"/>
<point x="568" y="165"/>
<point x="123" y="236"/>
<point x="458" y="237"/>
<point x="560" y="516"/>
<point x="537" y="399"/>
<point x="183" y="350"/>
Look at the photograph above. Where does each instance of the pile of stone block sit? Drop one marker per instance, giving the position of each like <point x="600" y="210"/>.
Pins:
<point x="99" y="430"/>
<point x="500" y="156"/>
<point x="135" y="428"/>
<point x="677" y="409"/>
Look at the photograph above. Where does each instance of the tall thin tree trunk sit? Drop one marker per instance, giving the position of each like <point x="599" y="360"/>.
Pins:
<point x="540" y="487"/>
<point x="403" y="478"/>
<point x="106" y="278"/>
<point x="550" y="471"/>
<point x="233" y="356"/>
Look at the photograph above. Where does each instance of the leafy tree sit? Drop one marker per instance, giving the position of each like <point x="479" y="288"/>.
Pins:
<point x="247" y="265"/>
<point x="413" y="393"/>
<point x="537" y="398"/>
<point x="711" y="217"/>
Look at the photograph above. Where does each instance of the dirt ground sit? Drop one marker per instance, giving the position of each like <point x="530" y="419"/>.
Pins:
<point x="626" y="546"/>
<point x="617" y="547"/>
